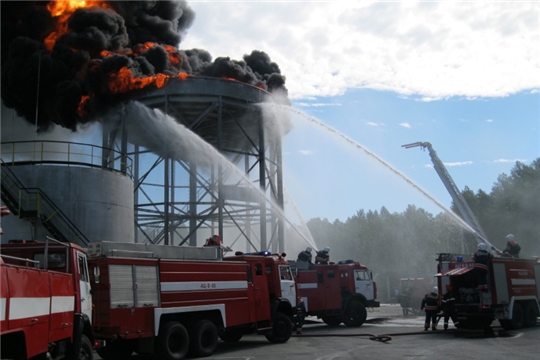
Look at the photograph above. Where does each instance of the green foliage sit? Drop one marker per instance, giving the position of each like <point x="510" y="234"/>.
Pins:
<point x="397" y="245"/>
<point x="512" y="207"/>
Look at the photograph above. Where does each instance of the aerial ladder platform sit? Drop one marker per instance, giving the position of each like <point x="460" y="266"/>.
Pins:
<point x="457" y="197"/>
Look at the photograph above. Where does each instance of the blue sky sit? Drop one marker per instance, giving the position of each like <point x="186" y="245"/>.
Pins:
<point x="476" y="139"/>
<point x="464" y="76"/>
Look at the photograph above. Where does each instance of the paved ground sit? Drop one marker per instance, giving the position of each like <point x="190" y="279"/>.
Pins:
<point x="404" y="335"/>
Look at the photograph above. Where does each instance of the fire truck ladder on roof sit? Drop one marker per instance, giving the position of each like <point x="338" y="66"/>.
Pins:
<point x="33" y="203"/>
<point x="458" y="198"/>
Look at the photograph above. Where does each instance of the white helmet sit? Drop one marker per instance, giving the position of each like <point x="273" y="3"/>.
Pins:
<point x="327" y="249"/>
<point x="482" y="246"/>
<point x="435" y="290"/>
<point x="510" y="237"/>
<point x="308" y="249"/>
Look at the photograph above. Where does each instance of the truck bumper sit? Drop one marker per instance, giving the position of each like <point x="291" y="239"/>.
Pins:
<point x="373" y="303"/>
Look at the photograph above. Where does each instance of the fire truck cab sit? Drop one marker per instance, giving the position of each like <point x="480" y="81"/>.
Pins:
<point x="336" y="293"/>
<point x="46" y="301"/>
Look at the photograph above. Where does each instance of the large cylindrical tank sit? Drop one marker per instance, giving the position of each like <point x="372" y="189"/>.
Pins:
<point x="99" y="202"/>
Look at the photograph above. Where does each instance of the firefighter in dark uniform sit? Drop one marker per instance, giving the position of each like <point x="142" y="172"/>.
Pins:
<point x="305" y="255"/>
<point x="481" y="260"/>
<point x="430" y="303"/>
<point x="215" y="240"/>
<point x="512" y="247"/>
<point x="449" y="309"/>
<point x="322" y="256"/>
<point x="300" y="315"/>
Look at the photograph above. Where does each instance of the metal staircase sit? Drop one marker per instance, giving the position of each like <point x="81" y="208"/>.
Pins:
<point x="34" y="204"/>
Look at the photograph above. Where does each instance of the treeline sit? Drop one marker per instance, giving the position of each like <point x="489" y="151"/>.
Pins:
<point x="397" y="245"/>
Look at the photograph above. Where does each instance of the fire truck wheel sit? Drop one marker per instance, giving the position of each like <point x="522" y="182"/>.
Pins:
<point x="172" y="342"/>
<point x="355" y="314"/>
<point x="203" y="338"/>
<point x="230" y="335"/>
<point x="332" y="320"/>
<point x="119" y="349"/>
<point x="531" y="313"/>
<point x="518" y="317"/>
<point x="517" y="320"/>
<point x="86" y="353"/>
<point x="281" y="329"/>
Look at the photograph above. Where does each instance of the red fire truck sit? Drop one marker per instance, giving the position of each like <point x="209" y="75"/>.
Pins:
<point x="174" y="300"/>
<point x="512" y="296"/>
<point x="45" y="301"/>
<point x="336" y="293"/>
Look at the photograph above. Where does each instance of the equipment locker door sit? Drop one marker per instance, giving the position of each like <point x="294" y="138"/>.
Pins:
<point x="261" y="294"/>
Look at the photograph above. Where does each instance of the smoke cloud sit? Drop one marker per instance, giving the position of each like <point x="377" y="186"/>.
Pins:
<point x="78" y="62"/>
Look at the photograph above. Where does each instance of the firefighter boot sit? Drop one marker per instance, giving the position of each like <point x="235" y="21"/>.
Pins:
<point x="445" y="326"/>
<point x="434" y="327"/>
<point x="426" y="327"/>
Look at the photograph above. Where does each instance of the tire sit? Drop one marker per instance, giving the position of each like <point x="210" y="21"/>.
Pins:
<point x="518" y="317"/>
<point x="203" y="338"/>
<point x="230" y="335"/>
<point x="87" y="351"/>
<point x="531" y="313"/>
<point x="172" y="342"/>
<point x="281" y="329"/>
<point x="117" y="350"/>
<point x="332" y="320"/>
<point x="517" y="321"/>
<point x="355" y="314"/>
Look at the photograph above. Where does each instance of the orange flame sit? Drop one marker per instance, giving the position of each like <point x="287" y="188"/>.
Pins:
<point x="174" y="56"/>
<point x="63" y="9"/>
<point x="81" y="109"/>
<point x="124" y="80"/>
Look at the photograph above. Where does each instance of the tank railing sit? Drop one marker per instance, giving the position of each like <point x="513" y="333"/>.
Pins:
<point x="66" y="153"/>
<point x="34" y="203"/>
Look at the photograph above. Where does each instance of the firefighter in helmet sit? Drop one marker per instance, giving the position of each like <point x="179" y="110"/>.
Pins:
<point x="430" y="303"/>
<point x="300" y="315"/>
<point x="481" y="260"/>
<point x="322" y="256"/>
<point x="214" y="240"/>
<point x="305" y="255"/>
<point x="448" y="305"/>
<point x="512" y="247"/>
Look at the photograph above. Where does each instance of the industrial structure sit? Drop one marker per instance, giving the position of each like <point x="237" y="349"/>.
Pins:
<point x="122" y="191"/>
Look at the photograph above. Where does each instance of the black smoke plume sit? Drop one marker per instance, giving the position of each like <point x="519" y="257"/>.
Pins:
<point x="78" y="71"/>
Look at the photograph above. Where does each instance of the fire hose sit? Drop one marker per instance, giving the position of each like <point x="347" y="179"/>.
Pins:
<point x="387" y="337"/>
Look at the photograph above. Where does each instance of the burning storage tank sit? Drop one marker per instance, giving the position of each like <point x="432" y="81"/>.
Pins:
<point x="77" y="64"/>
<point x="83" y="192"/>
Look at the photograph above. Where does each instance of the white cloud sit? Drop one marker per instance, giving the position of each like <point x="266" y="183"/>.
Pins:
<point x="430" y="49"/>
<point x="306" y="152"/>
<point x="489" y="120"/>
<point x="406" y="125"/>
<point x="369" y="123"/>
<point x="304" y="104"/>
<point x="452" y="164"/>
<point x="459" y="163"/>
<point x="504" y="161"/>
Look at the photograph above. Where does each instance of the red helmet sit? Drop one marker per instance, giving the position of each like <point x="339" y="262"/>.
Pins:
<point x="217" y="239"/>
